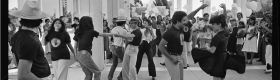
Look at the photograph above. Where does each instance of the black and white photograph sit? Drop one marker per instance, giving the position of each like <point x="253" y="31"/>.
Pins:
<point x="141" y="40"/>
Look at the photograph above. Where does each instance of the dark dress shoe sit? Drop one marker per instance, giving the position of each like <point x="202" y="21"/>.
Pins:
<point x="163" y="64"/>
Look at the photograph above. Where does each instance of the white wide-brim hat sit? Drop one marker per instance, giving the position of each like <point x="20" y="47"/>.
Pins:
<point x="30" y="10"/>
<point x="121" y="18"/>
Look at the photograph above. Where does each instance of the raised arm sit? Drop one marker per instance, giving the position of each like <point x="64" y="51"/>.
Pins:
<point x="106" y="34"/>
<point x="192" y="14"/>
<point x="43" y="42"/>
<point x="128" y="36"/>
<point x="224" y="8"/>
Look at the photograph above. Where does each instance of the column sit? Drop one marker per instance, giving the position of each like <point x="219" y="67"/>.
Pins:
<point x="189" y="3"/>
<point x="110" y="11"/>
<point x="51" y="10"/>
<point x="126" y="8"/>
<point x="112" y="8"/>
<point x="172" y="8"/>
<point x="115" y="8"/>
<point x="179" y="5"/>
<point x="243" y="9"/>
<point x="84" y="7"/>
<point x="95" y="11"/>
<point x="93" y="8"/>
<point x="105" y="9"/>
<point x="207" y="9"/>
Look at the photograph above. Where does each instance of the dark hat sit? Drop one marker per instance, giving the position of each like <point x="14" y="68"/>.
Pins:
<point x="134" y="19"/>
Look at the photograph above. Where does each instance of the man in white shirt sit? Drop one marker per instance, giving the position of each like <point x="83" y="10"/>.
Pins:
<point x="240" y="17"/>
<point x="118" y="51"/>
<point x="201" y="25"/>
<point x="195" y="32"/>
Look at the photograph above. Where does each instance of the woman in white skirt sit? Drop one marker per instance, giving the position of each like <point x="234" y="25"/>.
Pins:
<point x="250" y="44"/>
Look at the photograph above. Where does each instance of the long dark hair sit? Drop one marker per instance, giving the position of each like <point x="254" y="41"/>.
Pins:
<point x="85" y="24"/>
<point x="106" y="22"/>
<point x="61" y="30"/>
<point x="242" y="23"/>
<point x="147" y="31"/>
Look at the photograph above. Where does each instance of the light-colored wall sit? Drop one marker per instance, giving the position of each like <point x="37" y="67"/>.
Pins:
<point x="51" y="9"/>
<point x="105" y="8"/>
<point x="190" y="4"/>
<point x="110" y="11"/>
<point x="20" y="4"/>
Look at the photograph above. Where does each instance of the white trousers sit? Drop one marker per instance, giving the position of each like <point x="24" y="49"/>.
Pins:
<point x="176" y="71"/>
<point x="129" y="62"/>
<point x="268" y="54"/>
<point x="60" y="68"/>
<point x="48" y="78"/>
<point x="186" y="49"/>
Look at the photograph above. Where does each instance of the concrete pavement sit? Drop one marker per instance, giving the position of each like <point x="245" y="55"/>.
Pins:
<point x="253" y="72"/>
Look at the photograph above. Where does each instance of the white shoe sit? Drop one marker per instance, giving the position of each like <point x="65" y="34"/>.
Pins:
<point x="268" y="71"/>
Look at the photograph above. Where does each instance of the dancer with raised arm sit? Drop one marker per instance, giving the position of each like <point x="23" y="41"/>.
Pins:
<point x="174" y="38"/>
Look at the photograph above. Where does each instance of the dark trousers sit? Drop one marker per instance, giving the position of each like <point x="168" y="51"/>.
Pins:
<point x="145" y="47"/>
<point x="153" y="47"/>
<point x="118" y="53"/>
<point x="239" y="48"/>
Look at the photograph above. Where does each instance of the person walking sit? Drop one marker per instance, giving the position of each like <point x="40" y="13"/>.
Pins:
<point x="145" y="47"/>
<point x="28" y="50"/>
<point x="59" y="41"/>
<point x="131" y="51"/>
<point x="84" y="37"/>
<point x="173" y="38"/>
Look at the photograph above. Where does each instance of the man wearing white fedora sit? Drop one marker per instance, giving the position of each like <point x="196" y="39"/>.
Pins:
<point x="131" y="51"/>
<point x="32" y="64"/>
<point x="118" y="51"/>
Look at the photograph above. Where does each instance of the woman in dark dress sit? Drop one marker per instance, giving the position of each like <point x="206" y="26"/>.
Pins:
<point x="106" y="29"/>
<point x="231" y="47"/>
<point x="212" y="59"/>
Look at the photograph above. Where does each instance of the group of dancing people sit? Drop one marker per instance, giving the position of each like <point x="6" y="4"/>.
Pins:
<point x="211" y="53"/>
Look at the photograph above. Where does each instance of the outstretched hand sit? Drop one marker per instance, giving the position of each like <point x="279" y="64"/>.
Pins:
<point x="223" y="5"/>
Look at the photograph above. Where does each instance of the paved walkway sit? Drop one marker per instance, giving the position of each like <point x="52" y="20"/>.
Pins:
<point x="194" y="72"/>
<point x="253" y="72"/>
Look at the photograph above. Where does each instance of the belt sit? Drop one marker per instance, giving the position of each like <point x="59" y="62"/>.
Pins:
<point x="175" y="54"/>
<point x="117" y="46"/>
